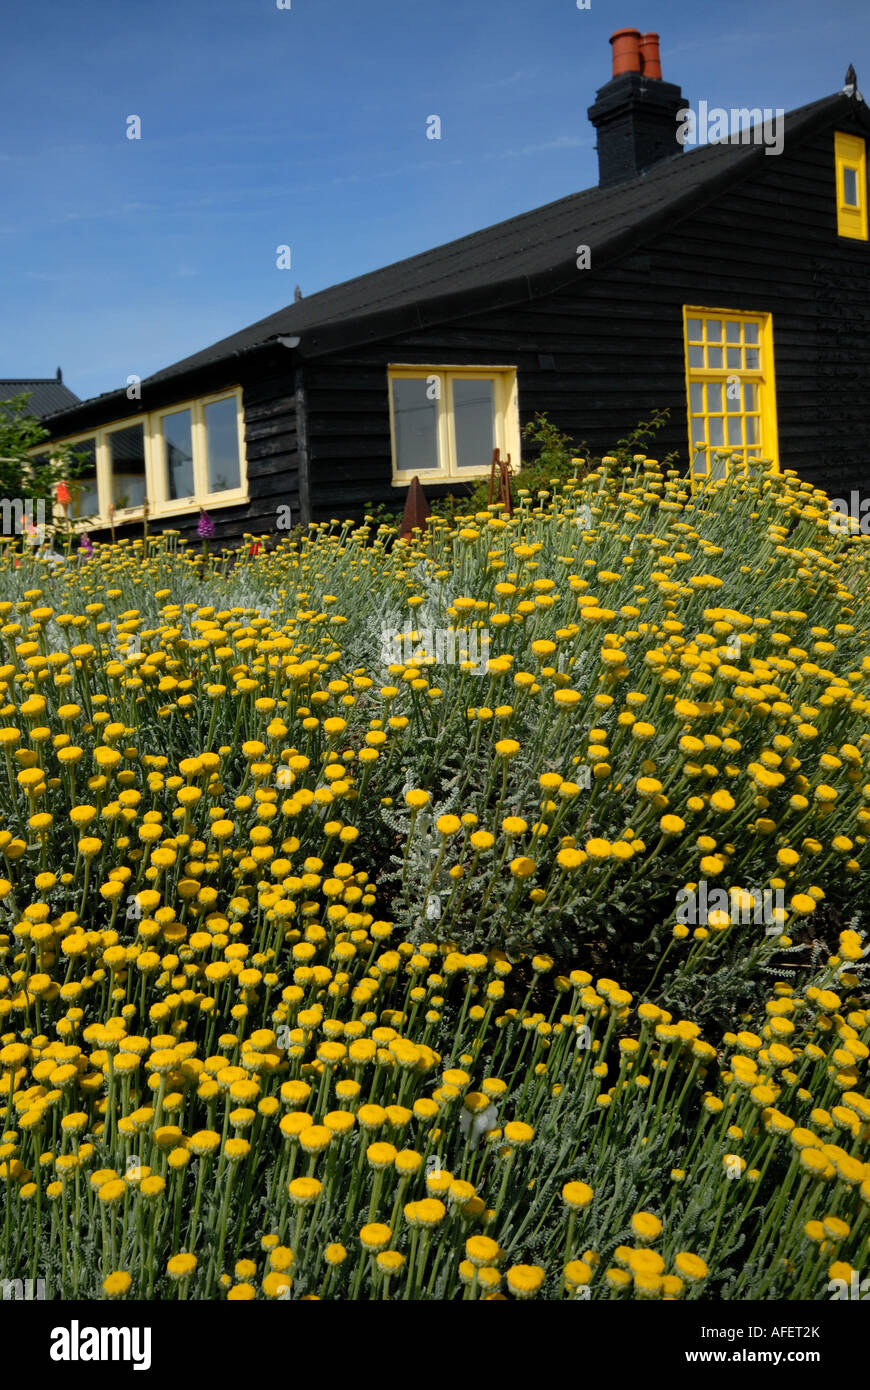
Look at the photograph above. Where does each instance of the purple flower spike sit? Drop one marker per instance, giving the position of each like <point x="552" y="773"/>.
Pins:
<point x="205" y="529"/>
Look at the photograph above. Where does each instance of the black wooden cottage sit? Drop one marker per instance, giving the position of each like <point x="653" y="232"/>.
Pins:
<point x="729" y="283"/>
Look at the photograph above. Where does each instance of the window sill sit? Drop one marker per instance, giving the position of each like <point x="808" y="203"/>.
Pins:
<point x="468" y="475"/>
<point x="172" y="510"/>
<point x="237" y="498"/>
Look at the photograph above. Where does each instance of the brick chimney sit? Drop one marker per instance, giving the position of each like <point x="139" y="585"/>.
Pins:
<point x="635" y="113"/>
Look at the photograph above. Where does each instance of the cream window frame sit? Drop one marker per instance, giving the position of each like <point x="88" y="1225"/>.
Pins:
<point x="76" y="523"/>
<point x="155" y="481"/>
<point x="506" y="420"/>
<point x="104" y="481"/>
<point x="164" y="506"/>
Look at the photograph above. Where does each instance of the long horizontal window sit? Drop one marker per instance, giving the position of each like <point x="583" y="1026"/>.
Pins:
<point x="446" y="421"/>
<point x="186" y="456"/>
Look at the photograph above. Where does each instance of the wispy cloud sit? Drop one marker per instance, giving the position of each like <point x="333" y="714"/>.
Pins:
<point x="561" y="142"/>
<point x="514" y="80"/>
<point x="102" y="214"/>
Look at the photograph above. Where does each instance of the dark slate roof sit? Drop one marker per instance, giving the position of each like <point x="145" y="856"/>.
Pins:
<point x="525" y="256"/>
<point x="48" y="394"/>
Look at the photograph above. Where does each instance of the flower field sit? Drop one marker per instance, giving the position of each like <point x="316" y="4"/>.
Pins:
<point x="338" y="961"/>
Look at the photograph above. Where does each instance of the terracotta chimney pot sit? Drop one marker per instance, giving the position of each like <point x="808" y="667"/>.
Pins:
<point x="626" y="51"/>
<point x="650" y="60"/>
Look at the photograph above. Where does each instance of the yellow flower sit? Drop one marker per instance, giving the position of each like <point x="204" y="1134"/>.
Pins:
<point x="577" y="1195"/>
<point x="112" y="1191"/>
<point x="672" y="825"/>
<point x="577" y="1273"/>
<point x="315" y="1138"/>
<point x="646" y="1227"/>
<point x="375" y="1236"/>
<point x="204" y="1141"/>
<point x="691" y="1266"/>
<point x="514" y="825"/>
<point x="448" y="825"/>
<point x="116" y="1285"/>
<point x="525" y="1280"/>
<point x="517" y="1133"/>
<point x="276" y="1284"/>
<point x="522" y="867"/>
<point x="304" y="1191"/>
<point x="416" y="799"/>
<point x="481" y="1250"/>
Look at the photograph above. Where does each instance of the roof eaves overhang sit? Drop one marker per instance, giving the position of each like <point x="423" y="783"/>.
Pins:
<point x="157" y="391"/>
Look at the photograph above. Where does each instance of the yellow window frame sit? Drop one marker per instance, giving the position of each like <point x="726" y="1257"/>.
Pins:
<point x="850" y="157"/>
<point x="754" y="332"/>
<point x="155" y="483"/>
<point x="506" y="421"/>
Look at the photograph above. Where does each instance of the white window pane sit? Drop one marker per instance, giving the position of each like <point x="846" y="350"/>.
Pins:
<point x="696" y="397"/>
<point x="696" y="357"/>
<point x="714" y="357"/>
<point x="750" y="333"/>
<point x="752" y="436"/>
<point x="85" y="499"/>
<point x="733" y="358"/>
<point x="416" y="425"/>
<point x="735" y="433"/>
<point x="127" y="464"/>
<point x="714" y="396"/>
<point x="732" y="331"/>
<point x="716" y="434"/>
<point x="177" y="444"/>
<point x="714" y="330"/>
<point x="222" y="445"/>
<point x="753" y="359"/>
<point x="850" y="187"/>
<point x="474" y="421"/>
<point x="699" y="463"/>
<point x="749" y="395"/>
<point x="694" y="330"/>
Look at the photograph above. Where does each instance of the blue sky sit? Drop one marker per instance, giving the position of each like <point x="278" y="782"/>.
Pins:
<point x="307" y="127"/>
